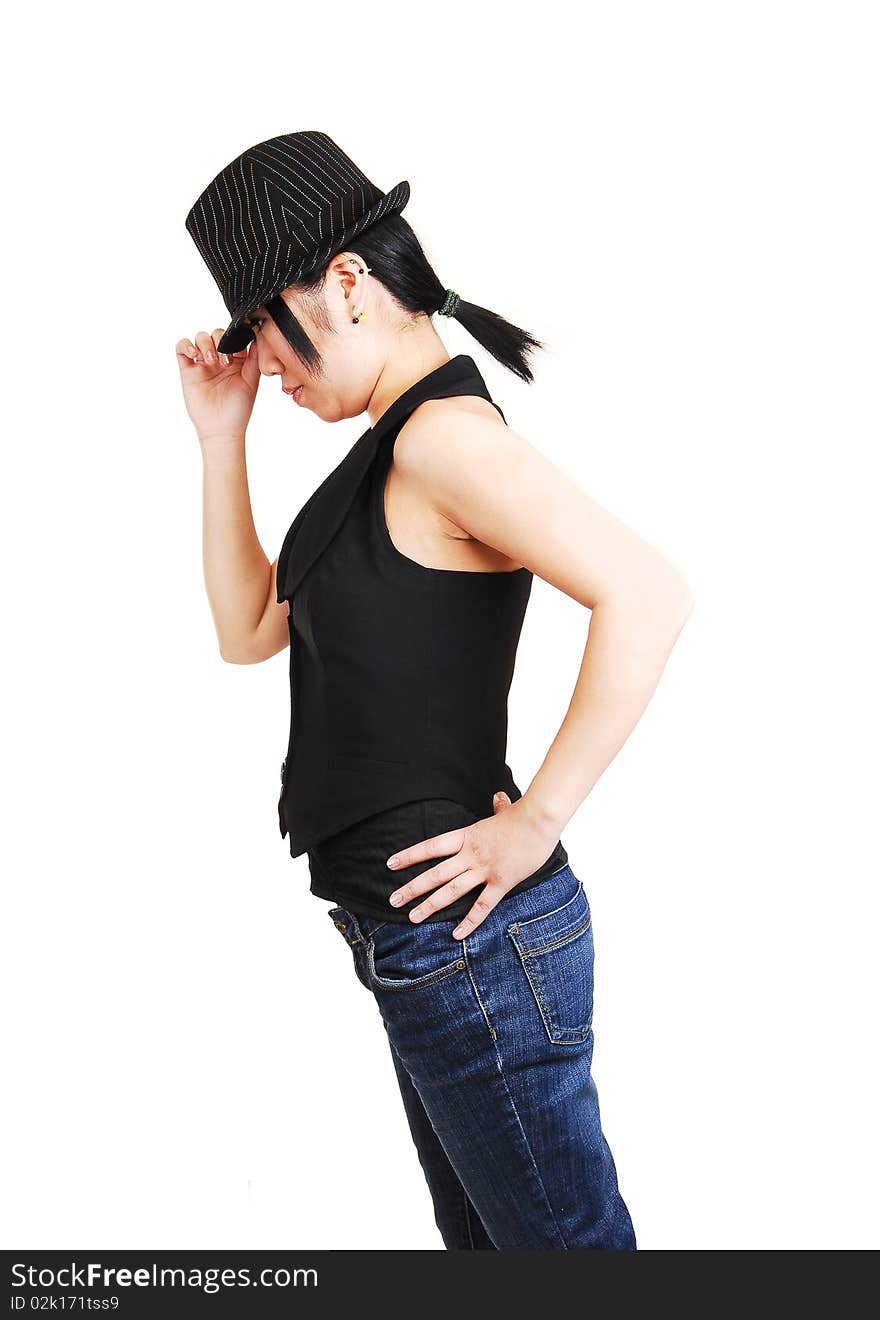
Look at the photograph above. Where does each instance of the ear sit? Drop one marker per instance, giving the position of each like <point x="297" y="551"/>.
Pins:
<point x="347" y="272"/>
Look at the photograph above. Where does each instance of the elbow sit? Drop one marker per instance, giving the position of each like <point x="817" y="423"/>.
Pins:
<point x="231" y="657"/>
<point x="678" y="606"/>
<point x="687" y="603"/>
<point x="656" y="615"/>
<point x="250" y="650"/>
<point x="233" y="653"/>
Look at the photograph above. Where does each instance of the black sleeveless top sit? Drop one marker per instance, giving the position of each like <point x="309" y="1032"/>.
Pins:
<point x="399" y="678"/>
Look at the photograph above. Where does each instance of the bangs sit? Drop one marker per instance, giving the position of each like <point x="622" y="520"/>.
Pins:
<point x="295" y="335"/>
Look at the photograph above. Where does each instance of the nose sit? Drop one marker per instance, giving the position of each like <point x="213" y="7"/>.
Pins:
<point x="269" y="365"/>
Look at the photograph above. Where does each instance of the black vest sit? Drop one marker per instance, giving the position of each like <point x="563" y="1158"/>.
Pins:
<point x="399" y="673"/>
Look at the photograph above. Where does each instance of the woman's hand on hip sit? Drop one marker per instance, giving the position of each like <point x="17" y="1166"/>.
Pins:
<point x="496" y="852"/>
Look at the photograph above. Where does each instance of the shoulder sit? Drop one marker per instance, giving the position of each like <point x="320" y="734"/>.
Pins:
<point x="442" y="433"/>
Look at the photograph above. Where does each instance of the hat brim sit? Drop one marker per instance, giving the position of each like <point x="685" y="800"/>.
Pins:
<point x="238" y="334"/>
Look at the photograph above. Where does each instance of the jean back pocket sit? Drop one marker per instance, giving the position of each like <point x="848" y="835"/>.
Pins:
<point x="555" y="951"/>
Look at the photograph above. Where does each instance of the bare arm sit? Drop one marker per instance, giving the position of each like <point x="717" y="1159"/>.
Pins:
<point x="626" y="651"/>
<point x="240" y="581"/>
<point x="502" y="491"/>
<point x="219" y="391"/>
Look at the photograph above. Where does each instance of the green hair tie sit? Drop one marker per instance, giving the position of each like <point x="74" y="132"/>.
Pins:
<point x="450" y="304"/>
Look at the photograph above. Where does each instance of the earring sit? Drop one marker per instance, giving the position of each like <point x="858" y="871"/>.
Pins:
<point x="360" y="316"/>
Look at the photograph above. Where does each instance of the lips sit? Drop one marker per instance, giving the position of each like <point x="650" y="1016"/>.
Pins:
<point x="295" y="393"/>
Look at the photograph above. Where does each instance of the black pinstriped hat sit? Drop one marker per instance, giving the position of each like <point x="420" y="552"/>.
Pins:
<point x="275" y="214"/>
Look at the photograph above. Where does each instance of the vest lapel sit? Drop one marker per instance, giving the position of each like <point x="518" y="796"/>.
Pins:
<point x="325" y="510"/>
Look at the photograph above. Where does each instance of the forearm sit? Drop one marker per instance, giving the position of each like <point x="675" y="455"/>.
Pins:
<point x="624" y="657"/>
<point x="237" y="572"/>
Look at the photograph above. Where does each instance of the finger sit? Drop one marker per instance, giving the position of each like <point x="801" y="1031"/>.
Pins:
<point x="500" y="802"/>
<point x="435" y="875"/>
<point x="185" y="348"/>
<point x="207" y="349"/>
<point x="225" y="358"/>
<point x="490" y="897"/>
<point x="437" y="846"/>
<point x="441" y="898"/>
<point x="250" y="369"/>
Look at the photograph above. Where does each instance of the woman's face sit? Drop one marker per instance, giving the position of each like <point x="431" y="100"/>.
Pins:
<point x="342" y="389"/>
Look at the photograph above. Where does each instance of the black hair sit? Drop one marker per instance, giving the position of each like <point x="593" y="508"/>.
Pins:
<point x="397" y="260"/>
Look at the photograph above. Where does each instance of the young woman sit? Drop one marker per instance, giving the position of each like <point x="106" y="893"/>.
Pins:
<point x="400" y="589"/>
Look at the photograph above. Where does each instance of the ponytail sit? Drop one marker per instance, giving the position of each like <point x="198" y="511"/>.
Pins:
<point x="397" y="260"/>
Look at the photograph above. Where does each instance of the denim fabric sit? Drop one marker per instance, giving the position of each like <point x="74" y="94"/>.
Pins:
<point x="492" y="1041"/>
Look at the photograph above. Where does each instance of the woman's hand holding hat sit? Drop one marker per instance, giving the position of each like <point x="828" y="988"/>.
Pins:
<point x="219" y="389"/>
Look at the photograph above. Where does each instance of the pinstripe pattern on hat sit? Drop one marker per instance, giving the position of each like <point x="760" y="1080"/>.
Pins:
<point x="278" y="212"/>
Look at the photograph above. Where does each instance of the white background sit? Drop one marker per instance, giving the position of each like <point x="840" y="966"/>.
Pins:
<point x="681" y="200"/>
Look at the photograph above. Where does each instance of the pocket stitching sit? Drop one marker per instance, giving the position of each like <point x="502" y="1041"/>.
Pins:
<point x="414" y="983"/>
<point x="558" y="1035"/>
<point x="529" y="949"/>
<point x="541" y="915"/>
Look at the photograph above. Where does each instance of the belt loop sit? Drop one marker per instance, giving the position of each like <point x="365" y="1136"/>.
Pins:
<point x="347" y="924"/>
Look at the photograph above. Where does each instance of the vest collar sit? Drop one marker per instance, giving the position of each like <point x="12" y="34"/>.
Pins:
<point x="435" y="385"/>
<point x="326" y="508"/>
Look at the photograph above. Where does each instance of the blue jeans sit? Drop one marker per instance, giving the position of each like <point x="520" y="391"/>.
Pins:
<point x="492" y="1042"/>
